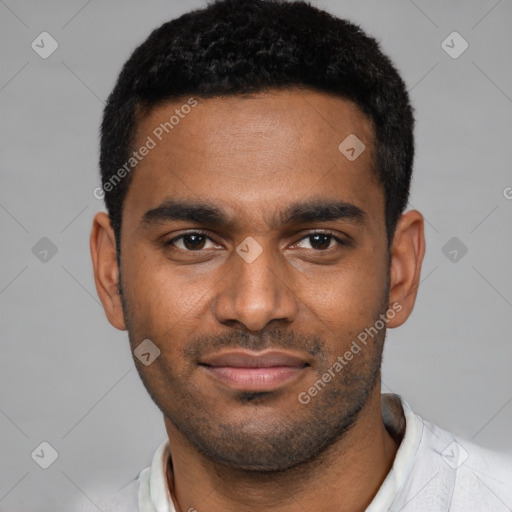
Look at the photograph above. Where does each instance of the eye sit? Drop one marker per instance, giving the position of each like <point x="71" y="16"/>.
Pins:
<point x="195" y="241"/>
<point x="321" y="241"/>
<point x="198" y="241"/>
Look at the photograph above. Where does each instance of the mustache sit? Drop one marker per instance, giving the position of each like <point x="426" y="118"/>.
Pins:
<point x="277" y="339"/>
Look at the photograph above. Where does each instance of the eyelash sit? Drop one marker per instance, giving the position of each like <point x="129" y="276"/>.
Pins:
<point x="203" y="233"/>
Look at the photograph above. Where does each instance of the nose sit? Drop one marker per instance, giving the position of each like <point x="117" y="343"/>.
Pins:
<point x="255" y="291"/>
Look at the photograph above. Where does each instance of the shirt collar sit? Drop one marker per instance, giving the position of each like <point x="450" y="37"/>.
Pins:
<point x="401" y="422"/>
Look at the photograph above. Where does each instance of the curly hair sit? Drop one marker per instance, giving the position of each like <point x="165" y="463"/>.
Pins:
<point x="237" y="47"/>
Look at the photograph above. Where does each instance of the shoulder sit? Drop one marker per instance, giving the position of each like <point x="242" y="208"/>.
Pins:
<point x="462" y="475"/>
<point x="482" y="476"/>
<point x="458" y="452"/>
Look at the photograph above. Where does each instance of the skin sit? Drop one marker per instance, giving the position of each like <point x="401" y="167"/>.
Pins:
<point x="252" y="157"/>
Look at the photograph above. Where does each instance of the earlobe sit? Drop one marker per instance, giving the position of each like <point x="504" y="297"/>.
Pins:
<point x="106" y="271"/>
<point x="407" y="251"/>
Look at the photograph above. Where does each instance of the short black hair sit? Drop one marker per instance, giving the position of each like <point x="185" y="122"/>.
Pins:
<point x="238" y="47"/>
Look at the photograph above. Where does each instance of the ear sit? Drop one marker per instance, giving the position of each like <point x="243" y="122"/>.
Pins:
<point x="407" y="251"/>
<point x="106" y="271"/>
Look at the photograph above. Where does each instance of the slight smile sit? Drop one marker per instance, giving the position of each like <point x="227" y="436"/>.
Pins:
<point x="254" y="371"/>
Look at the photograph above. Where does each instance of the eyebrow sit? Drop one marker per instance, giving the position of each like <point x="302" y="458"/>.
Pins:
<point x="316" y="210"/>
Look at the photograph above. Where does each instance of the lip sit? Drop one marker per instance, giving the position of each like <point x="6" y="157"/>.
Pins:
<point x="254" y="371"/>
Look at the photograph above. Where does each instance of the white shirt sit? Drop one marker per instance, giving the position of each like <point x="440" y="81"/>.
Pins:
<point x="433" y="471"/>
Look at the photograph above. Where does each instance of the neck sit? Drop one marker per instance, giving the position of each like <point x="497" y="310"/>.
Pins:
<point x="344" y="477"/>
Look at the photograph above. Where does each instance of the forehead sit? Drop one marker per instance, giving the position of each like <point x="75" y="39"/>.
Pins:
<point x="254" y="153"/>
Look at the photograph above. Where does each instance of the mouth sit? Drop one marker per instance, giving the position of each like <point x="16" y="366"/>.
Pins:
<point x="254" y="371"/>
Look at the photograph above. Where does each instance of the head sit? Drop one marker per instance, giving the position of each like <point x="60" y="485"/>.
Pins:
<point x="256" y="159"/>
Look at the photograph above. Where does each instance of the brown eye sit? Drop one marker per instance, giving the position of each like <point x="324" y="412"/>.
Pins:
<point x="322" y="241"/>
<point x="193" y="242"/>
<point x="189" y="242"/>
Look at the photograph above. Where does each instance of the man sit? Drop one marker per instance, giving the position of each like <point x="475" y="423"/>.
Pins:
<point x="256" y="158"/>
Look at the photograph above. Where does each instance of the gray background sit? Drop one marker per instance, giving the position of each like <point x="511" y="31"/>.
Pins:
<point x="67" y="376"/>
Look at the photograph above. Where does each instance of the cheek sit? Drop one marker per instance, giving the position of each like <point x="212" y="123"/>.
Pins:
<point x="352" y="296"/>
<point x="158" y="297"/>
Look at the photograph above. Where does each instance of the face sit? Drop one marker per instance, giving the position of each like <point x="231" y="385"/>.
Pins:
<point x="254" y="256"/>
